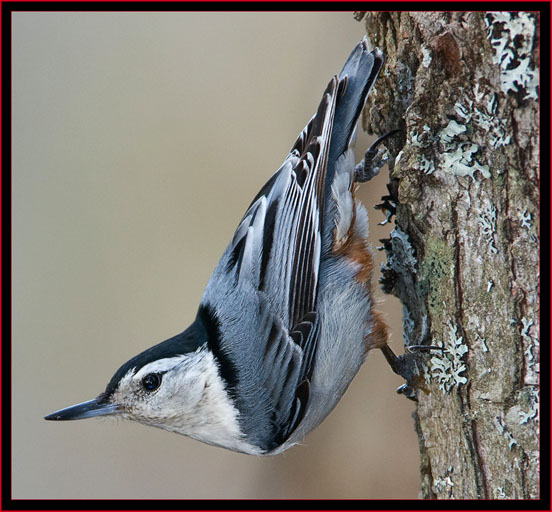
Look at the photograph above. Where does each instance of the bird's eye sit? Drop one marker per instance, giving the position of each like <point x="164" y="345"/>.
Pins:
<point x="151" y="381"/>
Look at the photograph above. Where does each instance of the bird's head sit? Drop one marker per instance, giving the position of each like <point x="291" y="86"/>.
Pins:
<point x="156" y="387"/>
<point x="176" y="385"/>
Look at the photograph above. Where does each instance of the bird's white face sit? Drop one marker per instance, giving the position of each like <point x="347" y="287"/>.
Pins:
<point x="163" y="391"/>
<point x="182" y="394"/>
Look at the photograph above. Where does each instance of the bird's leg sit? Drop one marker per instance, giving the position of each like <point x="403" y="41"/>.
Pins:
<point x="408" y="366"/>
<point x="374" y="159"/>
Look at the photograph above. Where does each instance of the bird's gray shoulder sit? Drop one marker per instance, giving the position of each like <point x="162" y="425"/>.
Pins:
<point x="262" y="366"/>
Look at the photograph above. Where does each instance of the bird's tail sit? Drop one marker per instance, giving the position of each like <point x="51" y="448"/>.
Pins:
<point x="355" y="81"/>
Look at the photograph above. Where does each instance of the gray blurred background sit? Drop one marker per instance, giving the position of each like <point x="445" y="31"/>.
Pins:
<point x="139" y="140"/>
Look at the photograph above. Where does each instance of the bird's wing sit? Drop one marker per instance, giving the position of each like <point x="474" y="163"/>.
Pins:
<point x="277" y="245"/>
<point x="270" y="272"/>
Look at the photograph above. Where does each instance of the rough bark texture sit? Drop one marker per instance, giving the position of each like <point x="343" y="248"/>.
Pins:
<point x="464" y="254"/>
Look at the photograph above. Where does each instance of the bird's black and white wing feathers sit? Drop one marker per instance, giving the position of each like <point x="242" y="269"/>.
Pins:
<point x="276" y="247"/>
<point x="271" y="267"/>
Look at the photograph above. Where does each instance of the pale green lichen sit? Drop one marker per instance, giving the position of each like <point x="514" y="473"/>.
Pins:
<point x="447" y="369"/>
<point x="398" y="157"/>
<point x="485" y="347"/>
<point x="441" y="485"/>
<point x="423" y="140"/>
<point x="487" y="221"/>
<point x="458" y="157"/>
<point x="444" y="483"/>
<point x="450" y="131"/>
<point x="505" y="432"/>
<point x="401" y="258"/>
<point x="526" y="326"/>
<point x="426" y="166"/>
<point x="511" y="35"/>
<point x="486" y="118"/>
<point x="499" y="494"/>
<point x="426" y="53"/>
<point x="461" y="162"/>
<point x="526" y="219"/>
<point x="531" y="352"/>
<point x="533" y="412"/>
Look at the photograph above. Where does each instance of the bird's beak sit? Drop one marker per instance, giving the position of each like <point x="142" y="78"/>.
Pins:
<point x="81" y="411"/>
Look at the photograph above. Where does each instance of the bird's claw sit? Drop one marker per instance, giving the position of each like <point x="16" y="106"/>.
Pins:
<point x="408" y="391"/>
<point x="408" y="366"/>
<point x="374" y="159"/>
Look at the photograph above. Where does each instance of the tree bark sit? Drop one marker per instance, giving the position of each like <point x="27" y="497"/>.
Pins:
<point x="464" y="254"/>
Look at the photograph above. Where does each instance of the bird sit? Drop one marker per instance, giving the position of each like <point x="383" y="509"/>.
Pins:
<point x="287" y="317"/>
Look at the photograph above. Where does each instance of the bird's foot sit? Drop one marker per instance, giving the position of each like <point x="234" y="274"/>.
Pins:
<point x="374" y="159"/>
<point x="409" y="367"/>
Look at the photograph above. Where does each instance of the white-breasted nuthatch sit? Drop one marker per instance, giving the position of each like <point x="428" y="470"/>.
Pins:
<point x="287" y="317"/>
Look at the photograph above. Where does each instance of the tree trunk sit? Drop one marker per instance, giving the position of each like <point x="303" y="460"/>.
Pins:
<point x="464" y="254"/>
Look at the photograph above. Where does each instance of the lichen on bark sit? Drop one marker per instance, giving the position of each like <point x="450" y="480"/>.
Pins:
<point x="464" y="88"/>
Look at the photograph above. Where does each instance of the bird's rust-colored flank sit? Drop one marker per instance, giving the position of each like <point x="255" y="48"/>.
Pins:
<point x="378" y="335"/>
<point x="355" y="248"/>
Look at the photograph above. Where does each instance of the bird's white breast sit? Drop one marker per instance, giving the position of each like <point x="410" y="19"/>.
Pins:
<point x="193" y="401"/>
